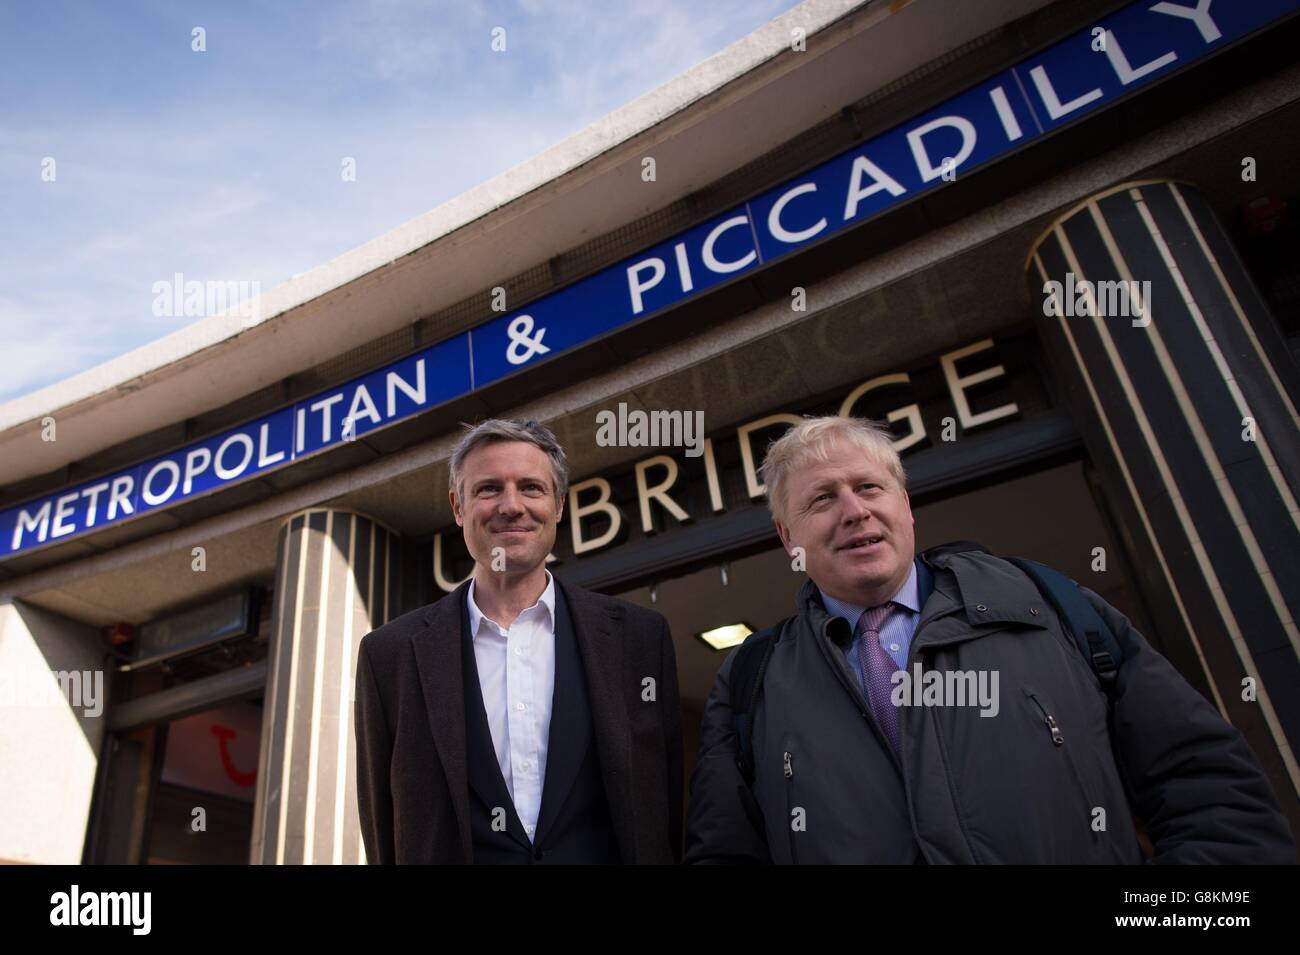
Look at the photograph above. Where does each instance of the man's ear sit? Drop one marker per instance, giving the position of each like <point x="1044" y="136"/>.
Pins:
<point x="784" y="533"/>
<point x="455" y="507"/>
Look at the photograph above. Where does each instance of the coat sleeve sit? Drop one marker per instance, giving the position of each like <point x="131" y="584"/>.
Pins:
<point x="374" y="759"/>
<point x="718" y="827"/>
<point x="1190" y="774"/>
<point x="672" y="722"/>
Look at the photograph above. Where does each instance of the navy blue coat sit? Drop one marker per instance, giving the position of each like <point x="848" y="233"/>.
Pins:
<point x="1043" y="781"/>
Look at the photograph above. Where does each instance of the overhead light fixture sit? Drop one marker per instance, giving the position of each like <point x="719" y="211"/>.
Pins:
<point x="724" y="638"/>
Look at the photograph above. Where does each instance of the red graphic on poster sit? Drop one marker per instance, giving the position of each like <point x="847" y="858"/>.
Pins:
<point x="216" y="751"/>
<point x="223" y="734"/>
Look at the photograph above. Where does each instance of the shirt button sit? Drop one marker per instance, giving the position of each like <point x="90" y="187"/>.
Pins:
<point x="525" y="765"/>
<point x="519" y="651"/>
<point x="519" y="706"/>
<point x="894" y="647"/>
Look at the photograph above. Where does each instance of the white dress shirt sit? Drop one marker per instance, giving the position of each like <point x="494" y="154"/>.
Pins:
<point x="516" y="671"/>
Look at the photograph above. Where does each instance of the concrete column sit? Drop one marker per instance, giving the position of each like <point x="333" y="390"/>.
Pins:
<point x="337" y="579"/>
<point x="54" y="686"/>
<point x="1186" y="396"/>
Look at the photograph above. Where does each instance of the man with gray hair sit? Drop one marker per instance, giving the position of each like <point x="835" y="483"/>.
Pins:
<point x="518" y="719"/>
<point x="952" y="707"/>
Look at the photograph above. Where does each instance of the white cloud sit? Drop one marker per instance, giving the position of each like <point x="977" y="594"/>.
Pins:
<point x="47" y="342"/>
<point x="238" y="179"/>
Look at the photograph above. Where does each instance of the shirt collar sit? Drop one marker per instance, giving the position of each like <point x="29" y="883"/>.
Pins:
<point x="476" y="617"/>
<point x="908" y="596"/>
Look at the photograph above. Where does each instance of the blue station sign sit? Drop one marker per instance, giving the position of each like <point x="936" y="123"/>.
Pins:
<point x="1062" y="84"/>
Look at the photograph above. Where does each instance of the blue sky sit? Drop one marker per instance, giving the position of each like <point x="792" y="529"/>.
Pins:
<point x="225" y="164"/>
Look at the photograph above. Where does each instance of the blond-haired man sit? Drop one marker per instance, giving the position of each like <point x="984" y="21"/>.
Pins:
<point x="938" y="708"/>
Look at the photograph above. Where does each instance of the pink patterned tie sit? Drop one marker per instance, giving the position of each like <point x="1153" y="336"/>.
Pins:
<point x="877" y="668"/>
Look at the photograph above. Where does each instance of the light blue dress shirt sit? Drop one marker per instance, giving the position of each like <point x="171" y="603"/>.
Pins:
<point x="896" y="638"/>
<point x="516" y="672"/>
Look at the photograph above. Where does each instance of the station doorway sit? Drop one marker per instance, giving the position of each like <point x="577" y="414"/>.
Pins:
<point x="178" y="771"/>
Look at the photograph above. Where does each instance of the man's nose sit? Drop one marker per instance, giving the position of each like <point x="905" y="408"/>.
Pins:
<point x="852" y="506"/>
<point x="510" y="502"/>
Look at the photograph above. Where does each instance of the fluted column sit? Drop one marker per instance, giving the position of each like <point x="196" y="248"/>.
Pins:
<point x="1187" y="396"/>
<point x="337" y="579"/>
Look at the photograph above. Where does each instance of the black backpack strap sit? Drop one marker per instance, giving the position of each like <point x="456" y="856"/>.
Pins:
<point x="1095" y="640"/>
<point x="746" y="686"/>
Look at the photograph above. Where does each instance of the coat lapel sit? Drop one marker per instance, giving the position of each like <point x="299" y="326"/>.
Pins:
<point x="924" y="583"/>
<point x="485" y="777"/>
<point x="438" y="660"/>
<point x="570" y="732"/>
<point x="598" y="631"/>
<point x="935" y="595"/>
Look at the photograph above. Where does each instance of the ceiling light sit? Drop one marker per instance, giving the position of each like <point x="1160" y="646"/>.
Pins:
<point x="724" y="638"/>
